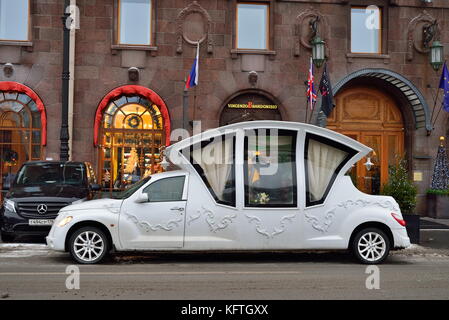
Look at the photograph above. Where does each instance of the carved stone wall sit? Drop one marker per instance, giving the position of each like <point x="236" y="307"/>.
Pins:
<point x="193" y="26"/>
<point x="414" y="33"/>
<point x="304" y="32"/>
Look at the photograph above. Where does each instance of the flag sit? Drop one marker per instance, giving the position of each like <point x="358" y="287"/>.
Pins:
<point x="327" y="97"/>
<point x="192" y="80"/>
<point x="444" y="84"/>
<point x="311" y="93"/>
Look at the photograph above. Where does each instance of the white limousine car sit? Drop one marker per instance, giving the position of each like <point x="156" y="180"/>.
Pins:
<point x="260" y="185"/>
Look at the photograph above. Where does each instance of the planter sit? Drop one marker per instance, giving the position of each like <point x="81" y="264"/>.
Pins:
<point x="437" y="206"/>
<point x="412" y="226"/>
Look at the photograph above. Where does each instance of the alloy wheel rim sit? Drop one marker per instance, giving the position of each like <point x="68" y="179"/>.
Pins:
<point x="88" y="246"/>
<point x="371" y="246"/>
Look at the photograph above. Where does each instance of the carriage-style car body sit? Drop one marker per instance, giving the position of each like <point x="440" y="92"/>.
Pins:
<point x="260" y="185"/>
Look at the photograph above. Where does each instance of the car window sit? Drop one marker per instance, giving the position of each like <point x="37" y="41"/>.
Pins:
<point x="324" y="159"/>
<point x="270" y="168"/>
<point x="214" y="160"/>
<point x="167" y="189"/>
<point x="51" y="173"/>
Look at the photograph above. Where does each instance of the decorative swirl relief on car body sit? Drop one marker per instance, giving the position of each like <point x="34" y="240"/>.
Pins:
<point x="316" y="223"/>
<point x="211" y="220"/>
<point x="112" y="208"/>
<point x="387" y="204"/>
<point x="168" y="226"/>
<point x="193" y="218"/>
<point x="361" y="203"/>
<point x="277" y="230"/>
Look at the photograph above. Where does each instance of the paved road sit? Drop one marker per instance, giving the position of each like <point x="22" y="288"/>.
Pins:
<point x="30" y="271"/>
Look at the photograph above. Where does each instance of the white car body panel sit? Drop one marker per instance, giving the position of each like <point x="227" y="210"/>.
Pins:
<point x="206" y="225"/>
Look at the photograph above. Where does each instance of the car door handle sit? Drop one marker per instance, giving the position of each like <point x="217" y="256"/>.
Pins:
<point x="177" y="208"/>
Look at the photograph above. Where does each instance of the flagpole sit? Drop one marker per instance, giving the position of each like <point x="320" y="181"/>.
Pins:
<point x="185" y="106"/>
<point x="311" y="112"/>
<point x="307" y="103"/>
<point x="435" y="102"/>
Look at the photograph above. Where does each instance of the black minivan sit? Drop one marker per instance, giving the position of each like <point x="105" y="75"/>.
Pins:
<point x="39" y="190"/>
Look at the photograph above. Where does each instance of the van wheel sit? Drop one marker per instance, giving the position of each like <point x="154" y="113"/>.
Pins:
<point x="88" y="245"/>
<point x="7" y="237"/>
<point x="371" y="246"/>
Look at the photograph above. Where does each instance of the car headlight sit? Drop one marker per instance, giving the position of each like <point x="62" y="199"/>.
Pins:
<point x="64" y="221"/>
<point x="10" y="205"/>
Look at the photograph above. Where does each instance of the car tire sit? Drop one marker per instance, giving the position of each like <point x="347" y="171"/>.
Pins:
<point x="89" y="245"/>
<point x="6" y="237"/>
<point x="371" y="246"/>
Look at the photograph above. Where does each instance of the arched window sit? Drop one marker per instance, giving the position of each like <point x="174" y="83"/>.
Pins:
<point x="20" y="133"/>
<point x="132" y="135"/>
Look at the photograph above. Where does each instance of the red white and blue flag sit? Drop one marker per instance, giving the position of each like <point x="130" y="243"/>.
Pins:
<point x="311" y="93"/>
<point x="192" y="80"/>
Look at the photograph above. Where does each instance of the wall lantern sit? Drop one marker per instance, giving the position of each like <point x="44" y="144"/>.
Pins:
<point x="368" y="164"/>
<point x="318" y="51"/>
<point x="436" y="55"/>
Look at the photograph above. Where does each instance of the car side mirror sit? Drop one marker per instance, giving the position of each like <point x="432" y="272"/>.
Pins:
<point x="142" y="198"/>
<point x="95" y="187"/>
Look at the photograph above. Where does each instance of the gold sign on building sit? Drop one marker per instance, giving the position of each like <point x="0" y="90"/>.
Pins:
<point x="250" y="105"/>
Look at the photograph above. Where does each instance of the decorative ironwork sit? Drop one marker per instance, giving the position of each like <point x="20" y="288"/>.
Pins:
<point x="430" y="31"/>
<point x="309" y="22"/>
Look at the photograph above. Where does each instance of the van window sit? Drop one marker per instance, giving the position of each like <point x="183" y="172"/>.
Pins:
<point x="270" y="168"/>
<point x="168" y="189"/>
<point x="324" y="159"/>
<point x="214" y="160"/>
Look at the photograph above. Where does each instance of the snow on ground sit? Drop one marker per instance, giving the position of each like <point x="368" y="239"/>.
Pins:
<point x="17" y="250"/>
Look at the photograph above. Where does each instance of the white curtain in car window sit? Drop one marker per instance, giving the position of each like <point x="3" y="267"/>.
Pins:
<point x="322" y="162"/>
<point x="216" y="160"/>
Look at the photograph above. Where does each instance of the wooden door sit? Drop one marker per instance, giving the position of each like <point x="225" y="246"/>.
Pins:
<point x="370" y="116"/>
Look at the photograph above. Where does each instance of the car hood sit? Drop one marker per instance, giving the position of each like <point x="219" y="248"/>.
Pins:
<point x="50" y="190"/>
<point x="112" y="205"/>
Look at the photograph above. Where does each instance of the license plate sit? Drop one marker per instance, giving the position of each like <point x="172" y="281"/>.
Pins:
<point x="40" y="222"/>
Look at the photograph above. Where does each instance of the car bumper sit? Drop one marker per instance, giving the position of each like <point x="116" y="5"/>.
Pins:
<point x="401" y="239"/>
<point x="56" y="238"/>
<point x="15" y="225"/>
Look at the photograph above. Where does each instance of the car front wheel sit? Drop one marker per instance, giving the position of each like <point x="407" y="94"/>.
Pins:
<point x="89" y="245"/>
<point x="371" y="246"/>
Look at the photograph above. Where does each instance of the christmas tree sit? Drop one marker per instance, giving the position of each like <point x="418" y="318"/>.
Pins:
<point x="440" y="176"/>
<point x="400" y="187"/>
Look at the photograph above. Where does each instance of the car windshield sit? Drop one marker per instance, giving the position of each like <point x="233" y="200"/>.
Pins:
<point x="131" y="189"/>
<point x="51" y="173"/>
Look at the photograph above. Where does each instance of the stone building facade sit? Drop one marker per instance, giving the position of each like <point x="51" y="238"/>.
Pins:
<point x="384" y="99"/>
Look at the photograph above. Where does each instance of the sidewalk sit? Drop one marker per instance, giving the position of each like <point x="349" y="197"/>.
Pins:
<point x="434" y="233"/>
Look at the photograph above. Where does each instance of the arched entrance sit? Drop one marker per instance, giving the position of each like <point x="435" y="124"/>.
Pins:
<point x="22" y="128"/>
<point x="372" y="117"/>
<point x="250" y="105"/>
<point x="133" y="128"/>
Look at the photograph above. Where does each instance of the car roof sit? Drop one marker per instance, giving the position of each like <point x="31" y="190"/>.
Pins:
<point x="269" y="124"/>
<point x="38" y="162"/>
<point x="173" y="152"/>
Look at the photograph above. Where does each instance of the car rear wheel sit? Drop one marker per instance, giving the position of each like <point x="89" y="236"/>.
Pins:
<point x="371" y="246"/>
<point x="89" y="245"/>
